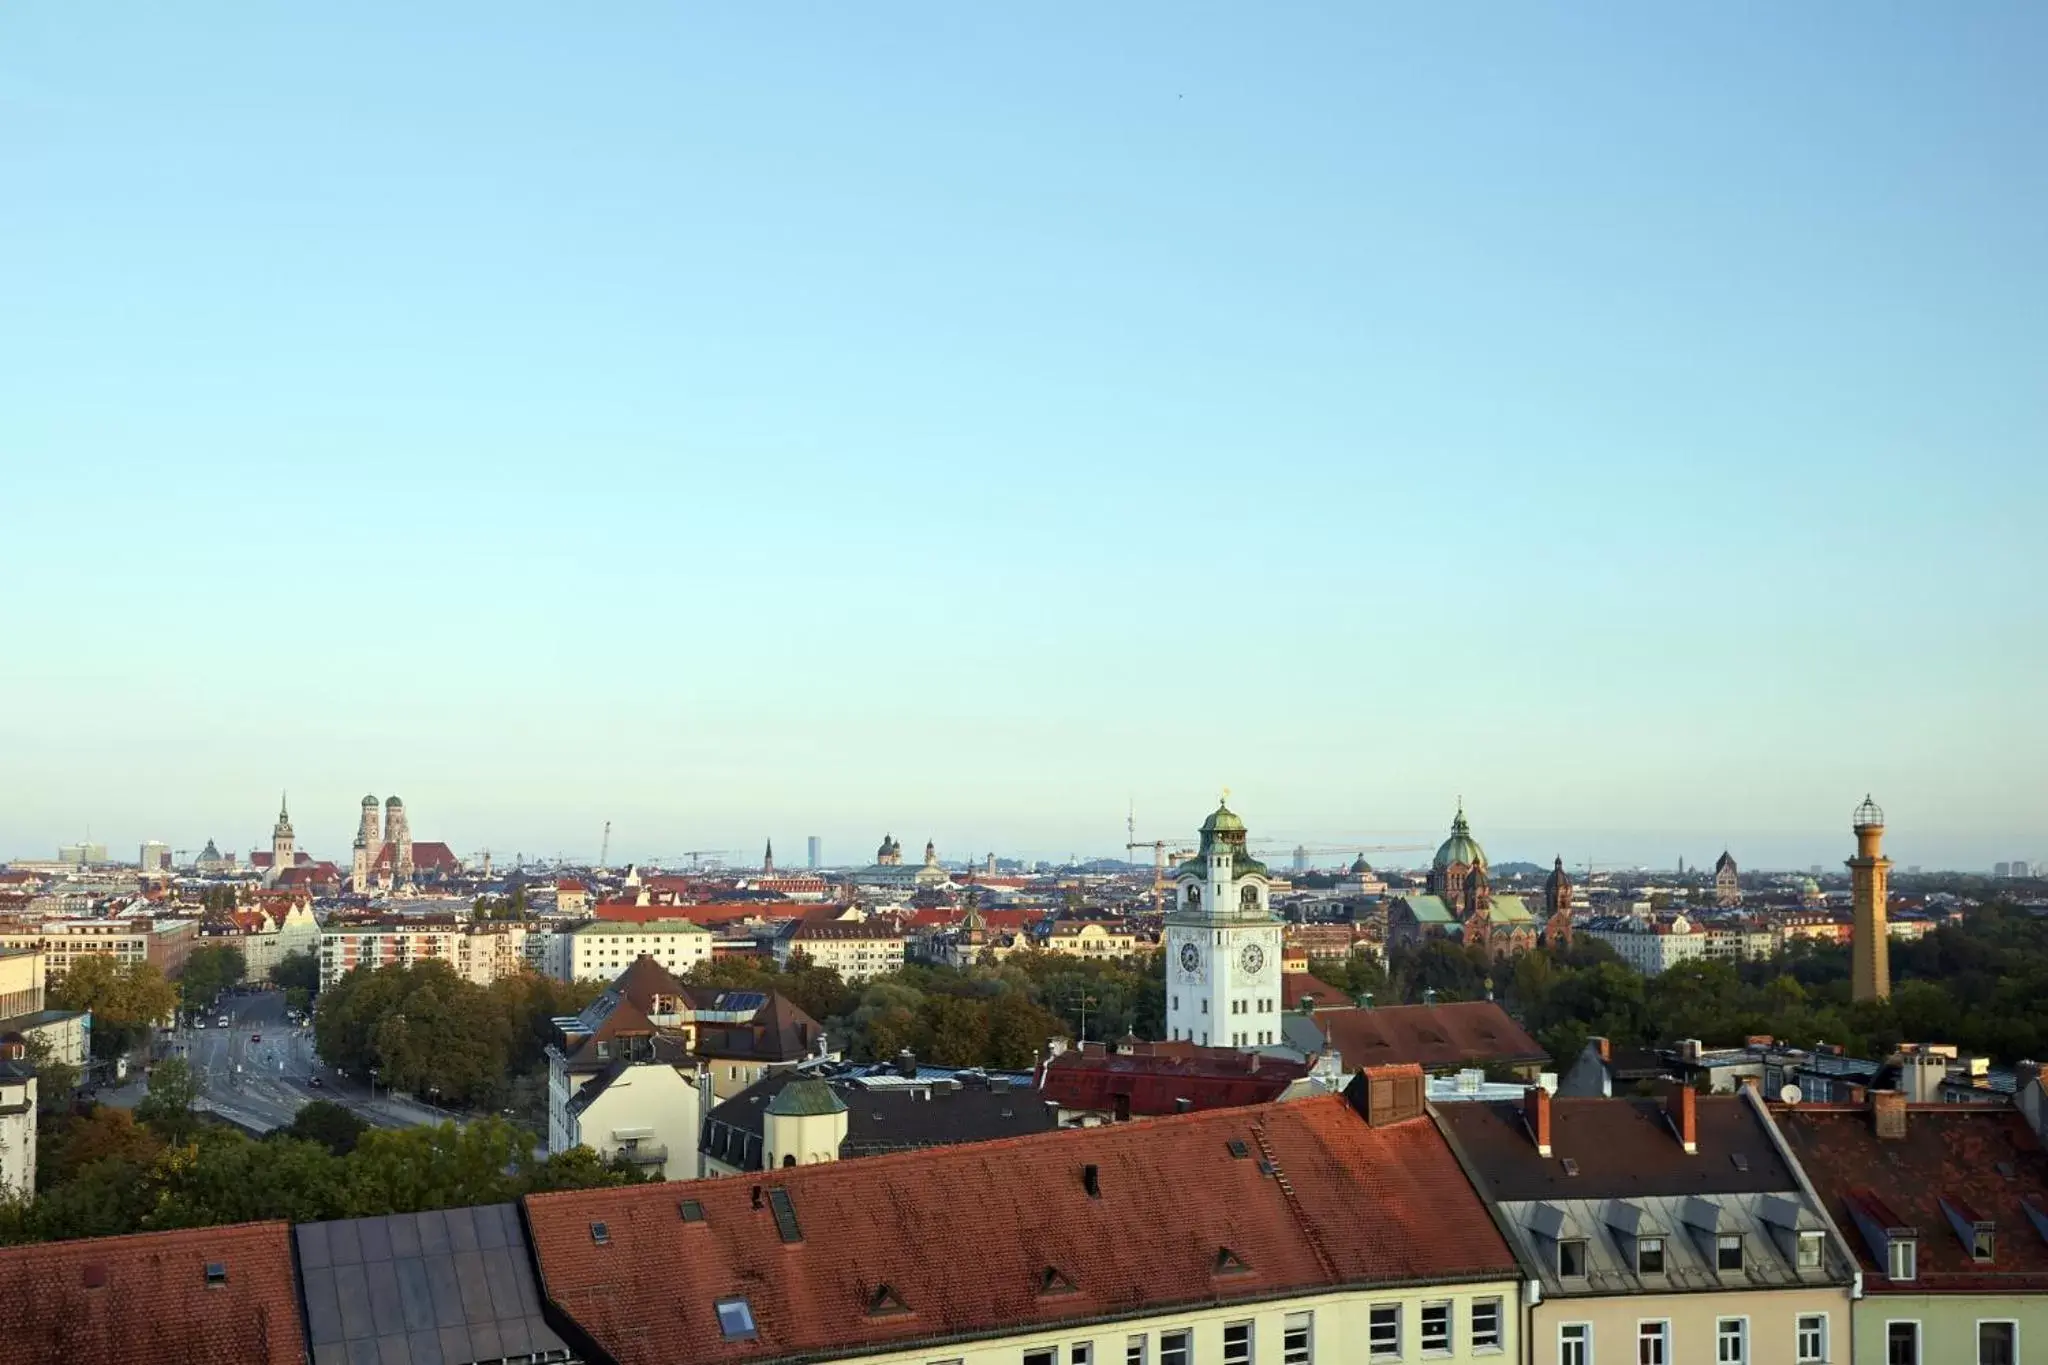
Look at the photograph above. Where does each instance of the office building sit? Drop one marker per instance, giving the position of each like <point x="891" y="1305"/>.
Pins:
<point x="816" y="854"/>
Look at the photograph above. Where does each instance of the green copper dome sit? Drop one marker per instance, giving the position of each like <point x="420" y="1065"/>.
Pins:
<point x="1223" y="820"/>
<point x="1461" y="847"/>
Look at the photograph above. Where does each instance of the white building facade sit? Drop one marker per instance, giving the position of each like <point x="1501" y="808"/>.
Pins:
<point x="1223" y="944"/>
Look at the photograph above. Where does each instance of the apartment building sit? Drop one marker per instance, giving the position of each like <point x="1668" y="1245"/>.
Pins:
<point x="601" y="949"/>
<point x="856" y="950"/>
<point x="131" y="938"/>
<point x="478" y="952"/>
<point x="1098" y="939"/>
<point x="1660" y="1232"/>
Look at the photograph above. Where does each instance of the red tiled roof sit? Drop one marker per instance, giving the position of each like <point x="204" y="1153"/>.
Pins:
<point x="427" y="856"/>
<point x="120" y="1300"/>
<point x="1461" y="1034"/>
<point x="965" y="1237"/>
<point x="1295" y="985"/>
<point x="715" y="912"/>
<point x="1957" y="1152"/>
<point x="1155" y="1080"/>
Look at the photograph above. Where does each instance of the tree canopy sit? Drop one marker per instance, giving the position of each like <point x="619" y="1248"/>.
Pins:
<point x="127" y="999"/>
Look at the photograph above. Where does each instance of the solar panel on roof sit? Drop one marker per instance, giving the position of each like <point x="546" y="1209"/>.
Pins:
<point x="785" y="1215"/>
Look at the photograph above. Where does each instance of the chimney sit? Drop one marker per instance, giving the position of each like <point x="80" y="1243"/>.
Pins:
<point x="1888" y="1114"/>
<point x="1536" y="1113"/>
<point x="1055" y="1046"/>
<point x="1393" y="1093"/>
<point x="1858" y="1094"/>
<point x="1252" y="1066"/>
<point x="1606" y="1046"/>
<point x="1682" y="1107"/>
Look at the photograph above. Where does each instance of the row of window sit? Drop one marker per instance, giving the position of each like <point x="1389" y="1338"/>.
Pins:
<point x="1728" y="1255"/>
<point x="1998" y="1343"/>
<point x="1386" y="1330"/>
<point x="1240" y="1346"/>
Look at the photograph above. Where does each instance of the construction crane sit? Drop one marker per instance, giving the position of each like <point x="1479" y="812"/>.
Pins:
<point x="604" y="850"/>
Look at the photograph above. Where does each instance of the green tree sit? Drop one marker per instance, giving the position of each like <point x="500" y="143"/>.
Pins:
<point x="127" y="1000"/>
<point x="209" y="970"/>
<point x="296" y="970"/>
<point x="329" y="1124"/>
<point x="408" y="1170"/>
<point x="56" y="1082"/>
<point x="580" y="1168"/>
<point x="167" y="1108"/>
<point x="223" y="1177"/>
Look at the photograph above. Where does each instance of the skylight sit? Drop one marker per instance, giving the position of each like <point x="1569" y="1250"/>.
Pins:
<point x="736" y="1319"/>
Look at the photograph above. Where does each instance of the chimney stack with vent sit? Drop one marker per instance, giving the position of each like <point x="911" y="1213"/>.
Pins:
<point x="1682" y="1107"/>
<point x="1536" y="1113"/>
<point x="1888" y="1114"/>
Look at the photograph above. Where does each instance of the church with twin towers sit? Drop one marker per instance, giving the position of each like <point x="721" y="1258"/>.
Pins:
<point x="383" y="855"/>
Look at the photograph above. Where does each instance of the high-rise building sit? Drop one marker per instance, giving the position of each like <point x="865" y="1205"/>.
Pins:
<point x="155" y="858"/>
<point x="81" y="854"/>
<point x="2020" y="868"/>
<point x="1223" y="944"/>
<point x="1300" y="860"/>
<point x="1870" y="970"/>
<point x="815" y="854"/>
<point x="2001" y="869"/>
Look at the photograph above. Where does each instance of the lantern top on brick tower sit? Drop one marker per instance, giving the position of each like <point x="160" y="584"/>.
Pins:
<point x="1868" y="816"/>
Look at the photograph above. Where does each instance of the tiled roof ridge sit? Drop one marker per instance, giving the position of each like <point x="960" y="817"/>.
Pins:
<point x="156" y="1236"/>
<point x="925" y="1156"/>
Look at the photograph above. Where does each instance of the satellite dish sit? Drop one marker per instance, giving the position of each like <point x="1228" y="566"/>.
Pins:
<point x="1789" y="1094"/>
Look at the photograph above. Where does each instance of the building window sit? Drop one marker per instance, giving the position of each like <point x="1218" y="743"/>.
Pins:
<point x="1809" y="1250"/>
<point x="1044" y="1355"/>
<point x="1298" y="1339"/>
<point x="1436" y="1329"/>
<point x="1571" y="1259"/>
<point x="1653" y="1343"/>
<point x="1728" y="1251"/>
<point x="1731" y="1341"/>
<point x="1383" y="1331"/>
<point x="1902" y="1343"/>
<point x="1902" y="1259"/>
<point x="1177" y="1348"/>
<point x="1811" y="1338"/>
<point x="1134" y="1350"/>
<point x="735" y="1319"/>
<point x="1649" y="1256"/>
<point x="1237" y="1343"/>
<point x="1575" y="1343"/>
<point x="1998" y="1343"/>
<point x="1981" y="1245"/>
<point x="1486" y="1324"/>
<point x="1081" y="1353"/>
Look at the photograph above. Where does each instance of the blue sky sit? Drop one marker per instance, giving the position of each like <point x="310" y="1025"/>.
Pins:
<point x="963" y="420"/>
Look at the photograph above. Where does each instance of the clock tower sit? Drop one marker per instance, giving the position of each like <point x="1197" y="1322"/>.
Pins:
<point x="1223" y="944"/>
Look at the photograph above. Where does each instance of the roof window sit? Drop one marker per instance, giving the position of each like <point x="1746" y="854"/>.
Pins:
<point x="785" y="1215"/>
<point x="600" y="1234"/>
<point x="1229" y="1262"/>
<point x="216" y="1274"/>
<point x="691" y="1210"/>
<point x="886" y="1302"/>
<point x="1051" y="1281"/>
<point x="1238" y="1149"/>
<point x="735" y="1319"/>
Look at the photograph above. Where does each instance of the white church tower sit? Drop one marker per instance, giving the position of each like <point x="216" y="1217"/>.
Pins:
<point x="1223" y="944"/>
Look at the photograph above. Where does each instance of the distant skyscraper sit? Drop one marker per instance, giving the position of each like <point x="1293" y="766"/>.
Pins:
<point x="2001" y="869"/>
<point x="1300" y="860"/>
<point x="2020" y="868"/>
<point x="1870" y="966"/>
<point x="815" y="854"/>
<point x="81" y="854"/>
<point x="155" y="858"/>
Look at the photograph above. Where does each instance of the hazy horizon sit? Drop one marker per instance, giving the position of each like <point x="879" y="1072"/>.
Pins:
<point x="965" y="421"/>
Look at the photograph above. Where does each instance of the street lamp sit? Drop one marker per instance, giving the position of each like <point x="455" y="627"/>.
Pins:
<point x="373" y="1084"/>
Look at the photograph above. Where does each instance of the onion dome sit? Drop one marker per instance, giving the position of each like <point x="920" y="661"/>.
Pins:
<point x="1461" y="847"/>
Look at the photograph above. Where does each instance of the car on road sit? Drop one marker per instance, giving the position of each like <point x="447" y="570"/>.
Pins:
<point x="314" y="1081"/>
<point x="255" y="1037"/>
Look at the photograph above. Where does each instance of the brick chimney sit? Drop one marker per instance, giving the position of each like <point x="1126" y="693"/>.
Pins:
<point x="1536" y="1113"/>
<point x="1682" y="1107"/>
<point x="1888" y="1114"/>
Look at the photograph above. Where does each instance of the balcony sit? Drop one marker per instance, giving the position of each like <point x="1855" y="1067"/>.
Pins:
<point x="641" y="1154"/>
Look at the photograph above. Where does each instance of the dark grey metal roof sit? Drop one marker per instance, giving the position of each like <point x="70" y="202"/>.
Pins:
<point x="444" y="1288"/>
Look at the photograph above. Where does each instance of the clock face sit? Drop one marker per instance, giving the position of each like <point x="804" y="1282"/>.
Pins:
<point x="1190" y="958"/>
<point x="1252" y="959"/>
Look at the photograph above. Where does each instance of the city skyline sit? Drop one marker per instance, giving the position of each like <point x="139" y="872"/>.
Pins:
<point x="701" y="421"/>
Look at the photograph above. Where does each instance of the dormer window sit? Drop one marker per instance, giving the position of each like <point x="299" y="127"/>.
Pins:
<point x="1981" y="1245"/>
<point x="1571" y="1259"/>
<point x="1902" y="1258"/>
<point x="1649" y="1256"/>
<point x="1728" y="1251"/>
<point x="1810" y="1251"/>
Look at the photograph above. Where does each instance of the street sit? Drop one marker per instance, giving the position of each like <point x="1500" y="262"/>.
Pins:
<point x="261" y="1085"/>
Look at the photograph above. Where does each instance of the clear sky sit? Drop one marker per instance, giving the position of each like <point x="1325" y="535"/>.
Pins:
<point x="964" y="419"/>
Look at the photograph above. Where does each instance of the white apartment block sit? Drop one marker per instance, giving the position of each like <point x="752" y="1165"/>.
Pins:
<point x="480" y="953"/>
<point x="600" y="950"/>
<point x="1649" y="946"/>
<point x="856" y="951"/>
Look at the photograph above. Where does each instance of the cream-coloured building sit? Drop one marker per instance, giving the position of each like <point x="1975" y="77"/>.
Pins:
<point x="645" y="1111"/>
<point x="479" y="952"/>
<point x="1670" y="1232"/>
<point x="601" y="949"/>
<point x="1101" y="939"/>
<point x="130" y="938"/>
<point x="856" y="950"/>
<point x="17" y="1124"/>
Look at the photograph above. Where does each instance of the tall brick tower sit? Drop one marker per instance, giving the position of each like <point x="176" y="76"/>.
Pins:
<point x="1870" y="874"/>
